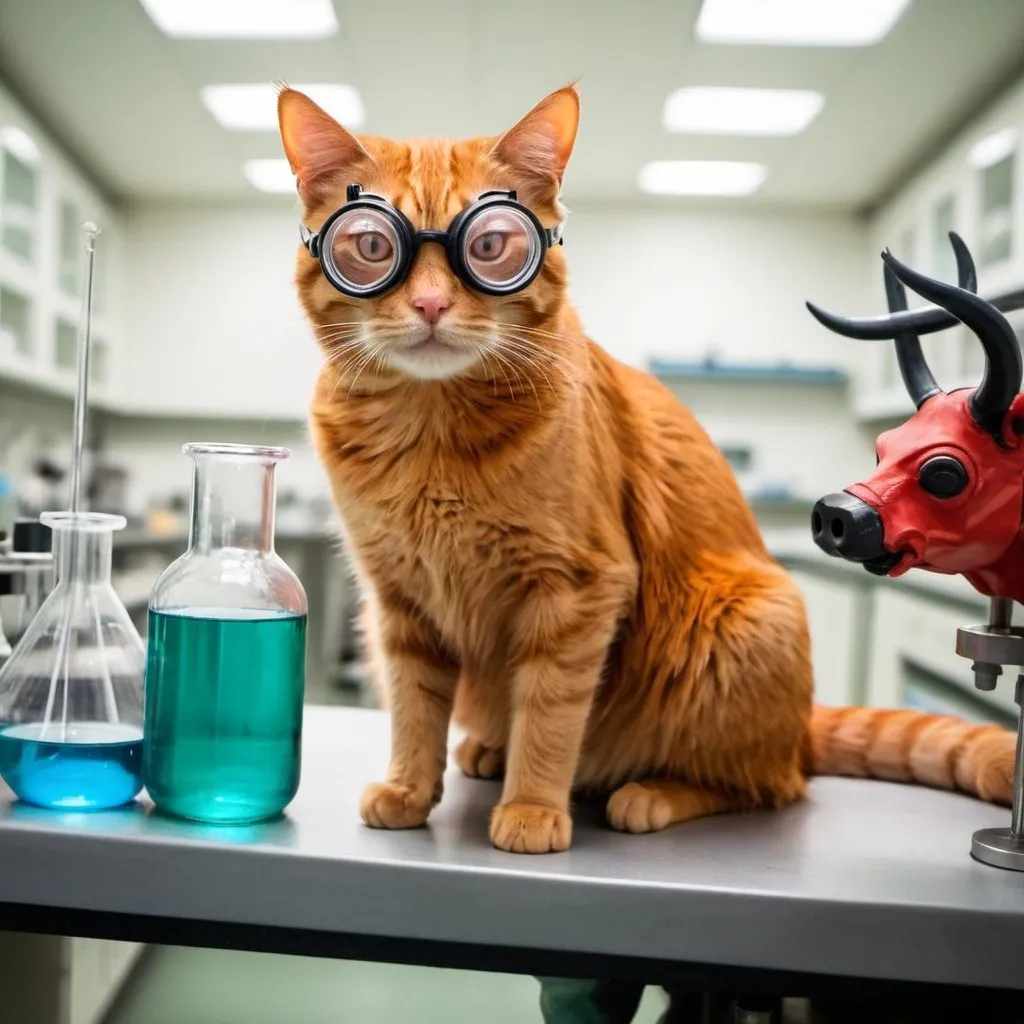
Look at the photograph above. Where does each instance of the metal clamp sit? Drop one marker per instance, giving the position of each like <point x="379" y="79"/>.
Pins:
<point x="990" y="647"/>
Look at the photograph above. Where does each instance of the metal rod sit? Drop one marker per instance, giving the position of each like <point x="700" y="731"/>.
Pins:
<point x="1000" y="613"/>
<point x="1017" y="813"/>
<point x="81" y="391"/>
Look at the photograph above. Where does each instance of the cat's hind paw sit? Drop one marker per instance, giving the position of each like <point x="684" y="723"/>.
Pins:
<point x="390" y="805"/>
<point x="478" y="761"/>
<point x="638" y="808"/>
<point x="530" y="828"/>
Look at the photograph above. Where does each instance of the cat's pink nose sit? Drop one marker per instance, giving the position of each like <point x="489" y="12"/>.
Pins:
<point x="431" y="305"/>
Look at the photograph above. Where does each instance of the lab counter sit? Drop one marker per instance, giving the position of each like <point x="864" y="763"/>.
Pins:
<point x="863" y="880"/>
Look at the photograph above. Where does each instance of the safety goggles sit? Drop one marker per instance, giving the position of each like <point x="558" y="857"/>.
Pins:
<point x="495" y="245"/>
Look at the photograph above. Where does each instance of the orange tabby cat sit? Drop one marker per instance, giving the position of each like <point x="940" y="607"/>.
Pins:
<point x="549" y="545"/>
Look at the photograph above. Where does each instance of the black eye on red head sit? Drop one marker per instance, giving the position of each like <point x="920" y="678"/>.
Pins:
<point x="942" y="476"/>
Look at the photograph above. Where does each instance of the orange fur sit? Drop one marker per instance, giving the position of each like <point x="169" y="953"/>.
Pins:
<point x="551" y="548"/>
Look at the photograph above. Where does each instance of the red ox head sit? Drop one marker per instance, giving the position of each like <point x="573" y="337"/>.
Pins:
<point x="948" y="491"/>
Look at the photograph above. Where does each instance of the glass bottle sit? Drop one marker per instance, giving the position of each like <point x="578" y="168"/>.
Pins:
<point x="225" y="676"/>
<point x="71" y="694"/>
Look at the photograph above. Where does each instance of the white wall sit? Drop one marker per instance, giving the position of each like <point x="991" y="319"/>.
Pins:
<point x="801" y="435"/>
<point x="213" y="323"/>
<point x="682" y="284"/>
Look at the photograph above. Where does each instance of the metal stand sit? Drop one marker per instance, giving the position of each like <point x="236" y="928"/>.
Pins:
<point x="990" y="647"/>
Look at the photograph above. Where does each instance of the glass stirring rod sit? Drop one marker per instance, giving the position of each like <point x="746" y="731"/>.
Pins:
<point x="62" y="665"/>
<point x="90" y="230"/>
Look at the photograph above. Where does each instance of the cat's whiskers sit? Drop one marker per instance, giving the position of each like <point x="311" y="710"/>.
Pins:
<point x="374" y="350"/>
<point x="509" y="346"/>
<point x="502" y="362"/>
<point x="540" y="332"/>
<point x="342" y="348"/>
<point x="569" y="371"/>
<point x="543" y="352"/>
<point x="339" y="323"/>
<point x="536" y="357"/>
<point x="339" y="345"/>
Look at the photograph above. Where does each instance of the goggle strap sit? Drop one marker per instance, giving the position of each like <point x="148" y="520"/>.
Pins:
<point x="310" y="240"/>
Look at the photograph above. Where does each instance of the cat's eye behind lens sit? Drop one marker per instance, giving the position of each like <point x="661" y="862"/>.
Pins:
<point x="501" y="247"/>
<point x="362" y="249"/>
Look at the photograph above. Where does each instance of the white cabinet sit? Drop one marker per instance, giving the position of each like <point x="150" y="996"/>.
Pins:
<point x="911" y="636"/>
<point x="43" y="202"/>
<point x="975" y="188"/>
<point x="892" y="643"/>
<point x="835" y="613"/>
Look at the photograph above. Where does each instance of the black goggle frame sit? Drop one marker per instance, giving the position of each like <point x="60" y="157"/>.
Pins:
<point x="409" y="241"/>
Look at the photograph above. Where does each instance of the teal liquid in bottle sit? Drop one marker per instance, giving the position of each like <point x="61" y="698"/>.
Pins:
<point x="223" y="718"/>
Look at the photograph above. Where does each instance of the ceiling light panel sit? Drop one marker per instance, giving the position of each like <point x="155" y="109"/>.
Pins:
<point x="798" y="22"/>
<point x="701" y="178"/>
<point x="993" y="148"/>
<point x="243" y="19"/>
<point x="270" y="175"/>
<point x="19" y="143"/>
<point x="254" y="107"/>
<point x="729" y="111"/>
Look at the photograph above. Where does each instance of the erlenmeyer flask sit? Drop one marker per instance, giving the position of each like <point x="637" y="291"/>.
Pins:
<point x="225" y="678"/>
<point x="71" y="694"/>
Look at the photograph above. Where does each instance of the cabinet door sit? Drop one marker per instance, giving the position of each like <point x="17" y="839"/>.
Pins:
<point x="835" y="613"/>
<point x="910" y="630"/>
<point x="21" y="188"/>
<point x="43" y="203"/>
<point x="22" y="245"/>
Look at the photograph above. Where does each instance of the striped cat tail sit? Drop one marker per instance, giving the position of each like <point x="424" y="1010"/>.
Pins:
<point x="908" y="746"/>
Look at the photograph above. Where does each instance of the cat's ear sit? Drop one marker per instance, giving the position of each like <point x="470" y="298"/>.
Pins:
<point x="539" y="146"/>
<point x="317" y="147"/>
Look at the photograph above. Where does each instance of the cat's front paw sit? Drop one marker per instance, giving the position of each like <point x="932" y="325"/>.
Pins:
<point x="530" y="828"/>
<point x="391" y="805"/>
<point x="478" y="761"/>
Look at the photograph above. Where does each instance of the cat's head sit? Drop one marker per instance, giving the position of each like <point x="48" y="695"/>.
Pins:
<point x="431" y="325"/>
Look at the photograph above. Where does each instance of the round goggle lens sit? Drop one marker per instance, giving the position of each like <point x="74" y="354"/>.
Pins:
<point x="501" y="246"/>
<point x="363" y="249"/>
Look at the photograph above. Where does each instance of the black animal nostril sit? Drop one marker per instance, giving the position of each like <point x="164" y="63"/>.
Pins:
<point x="836" y="527"/>
<point x="816" y="523"/>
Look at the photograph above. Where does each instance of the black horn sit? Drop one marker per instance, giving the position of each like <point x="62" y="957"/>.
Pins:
<point x="966" y="275"/>
<point x="920" y="383"/>
<point x="920" y="321"/>
<point x="1003" y="368"/>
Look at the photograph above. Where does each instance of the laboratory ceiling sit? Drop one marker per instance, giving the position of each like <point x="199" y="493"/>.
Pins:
<point x="125" y="98"/>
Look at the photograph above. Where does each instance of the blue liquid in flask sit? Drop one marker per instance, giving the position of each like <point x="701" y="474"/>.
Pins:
<point x="224" y="693"/>
<point x="97" y="765"/>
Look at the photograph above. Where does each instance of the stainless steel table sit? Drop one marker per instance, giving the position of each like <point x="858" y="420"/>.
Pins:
<point x="864" y="880"/>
